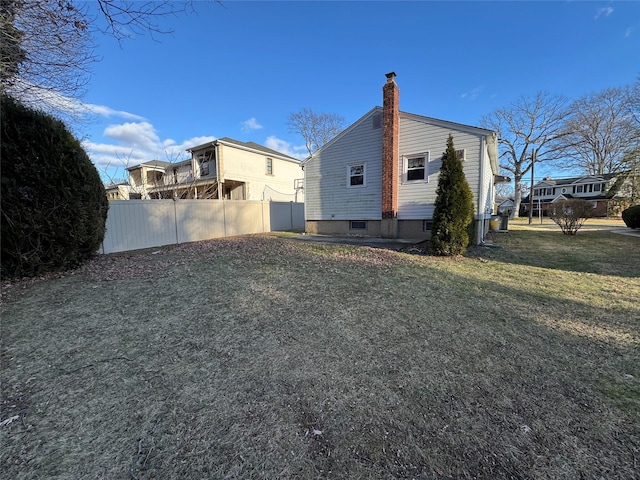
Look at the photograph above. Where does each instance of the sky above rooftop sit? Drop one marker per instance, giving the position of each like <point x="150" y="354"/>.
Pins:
<point x="238" y="69"/>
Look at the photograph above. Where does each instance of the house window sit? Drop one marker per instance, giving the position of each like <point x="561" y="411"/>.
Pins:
<point x="597" y="187"/>
<point x="415" y="167"/>
<point x="357" y="225"/>
<point x="426" y="225"/>
<point x="269" y="166"/>
<point x="579" y="189"/>
<point x="461" y="154"/>
<point x="356" y="175"/>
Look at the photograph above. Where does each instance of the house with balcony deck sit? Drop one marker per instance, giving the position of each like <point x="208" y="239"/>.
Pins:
<point x="221" y="169"/>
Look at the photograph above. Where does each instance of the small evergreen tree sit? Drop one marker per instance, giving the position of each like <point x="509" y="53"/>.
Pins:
<point x="54" y="206"/>
<point x="453" y="208"/>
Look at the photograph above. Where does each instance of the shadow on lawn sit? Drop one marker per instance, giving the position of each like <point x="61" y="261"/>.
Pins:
<point x="590" y="251"/>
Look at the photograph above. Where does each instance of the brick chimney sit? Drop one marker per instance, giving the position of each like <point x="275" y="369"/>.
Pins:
<point x="390" y="153"/>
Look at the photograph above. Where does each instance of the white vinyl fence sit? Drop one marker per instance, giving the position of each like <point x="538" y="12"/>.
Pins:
<point x="136" y="224"/>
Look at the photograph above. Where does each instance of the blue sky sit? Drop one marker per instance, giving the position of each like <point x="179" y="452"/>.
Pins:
<point x="238" y="69"/>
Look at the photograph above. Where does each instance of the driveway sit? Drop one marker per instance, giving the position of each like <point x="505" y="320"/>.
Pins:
<point x="627" y="231"/>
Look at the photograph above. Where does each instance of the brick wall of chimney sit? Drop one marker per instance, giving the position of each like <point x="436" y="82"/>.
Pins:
<point x="390" y="119"/>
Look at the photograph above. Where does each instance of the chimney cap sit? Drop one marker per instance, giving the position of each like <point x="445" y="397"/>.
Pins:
<point x="390" y="76"/>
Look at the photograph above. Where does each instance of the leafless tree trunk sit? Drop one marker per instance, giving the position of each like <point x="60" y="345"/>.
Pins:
<point x="316" y="128"/>
<point x="528" y="129"/>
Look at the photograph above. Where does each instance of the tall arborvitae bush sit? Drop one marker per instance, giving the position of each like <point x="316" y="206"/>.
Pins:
<point x="53" y="202"/>
<point x="453" y="212"/>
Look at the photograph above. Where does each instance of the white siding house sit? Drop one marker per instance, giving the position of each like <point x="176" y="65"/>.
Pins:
<point x="347" y="192"/>
<point x="224" y="168"/>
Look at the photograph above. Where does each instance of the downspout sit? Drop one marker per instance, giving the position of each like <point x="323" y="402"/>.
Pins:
<point x="480" y="190"/>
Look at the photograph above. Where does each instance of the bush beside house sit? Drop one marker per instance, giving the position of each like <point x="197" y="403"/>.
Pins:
<point x="631" y="216"/>
<point x="54" y="206"/>
<point x="453" y="211"/>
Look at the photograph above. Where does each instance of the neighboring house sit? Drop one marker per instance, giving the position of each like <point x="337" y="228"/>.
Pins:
<point x="604" y="191"/>
<point x="223" y="168"/>
<point x="379" y="176"/>
<point x="506" y="206"/>
<point x="117" y="191"/>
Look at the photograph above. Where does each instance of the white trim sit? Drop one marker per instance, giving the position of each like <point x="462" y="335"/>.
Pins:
<point x="364" y="174"/>
<point x="405" y="167"/>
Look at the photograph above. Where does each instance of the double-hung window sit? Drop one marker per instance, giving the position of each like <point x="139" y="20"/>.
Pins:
<point x="356" y="175"/>
<point x="415" y="167"/>
<point x="269" y="166"/>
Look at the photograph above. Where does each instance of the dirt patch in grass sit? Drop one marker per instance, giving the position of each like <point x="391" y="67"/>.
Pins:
<point x="262" y="357"/>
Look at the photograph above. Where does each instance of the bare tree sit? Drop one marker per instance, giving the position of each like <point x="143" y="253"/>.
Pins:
<point x="633" y="102"/>
<point x="316" y="128"/>
<point x="51" y="51"/>
<point x="528" y="131"/>
<point x="48" y="46"/>
<point x="602" y="134"/>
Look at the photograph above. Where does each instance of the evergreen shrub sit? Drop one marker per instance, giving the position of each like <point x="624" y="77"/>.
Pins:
<point x="631" y="216"/>
<point x="54" y="205"/>
<point x="453" y="211"/>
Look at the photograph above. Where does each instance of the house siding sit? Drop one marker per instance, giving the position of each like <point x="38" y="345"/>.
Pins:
<point x="416" y="199"/>
<point x="327" y="196"/>
<point x="250" y="168"/>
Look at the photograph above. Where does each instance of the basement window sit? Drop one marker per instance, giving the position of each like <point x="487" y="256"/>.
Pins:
<point x="357" y="225"/>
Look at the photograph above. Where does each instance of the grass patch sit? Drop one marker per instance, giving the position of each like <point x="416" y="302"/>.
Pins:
<point x="264" y="357"/>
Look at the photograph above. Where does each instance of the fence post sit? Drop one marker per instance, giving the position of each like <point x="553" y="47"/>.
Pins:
<point x="175" y="220"/>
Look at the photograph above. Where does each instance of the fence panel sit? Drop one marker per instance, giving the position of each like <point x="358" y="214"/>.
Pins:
<point x="199" y="220"/>
<point x="286" y="216"/>
<point x="136" y="224"/>
<point x="246" y="216"/>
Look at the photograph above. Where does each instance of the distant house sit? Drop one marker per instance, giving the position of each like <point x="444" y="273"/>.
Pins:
<point x="117" y="191"/>
<point x="506" y="206"/>
<point x="379" y="176"/>
<point x="604" y="191"/>
<point x="223" y="168"/>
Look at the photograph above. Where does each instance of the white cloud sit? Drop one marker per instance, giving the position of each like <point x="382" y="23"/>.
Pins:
<point x="603" y="12"/>
<point x="127" y="144"/>
<point x="67" y="107"/>
<point x="250" y="125"/>
<point x="282" y="146"/>
<point x="473" y="94"/>
<point x="105" y="111"/>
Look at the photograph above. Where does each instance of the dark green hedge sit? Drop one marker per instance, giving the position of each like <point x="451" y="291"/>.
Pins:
<point x="54" y="206"/>
<point x="631" y="216"/>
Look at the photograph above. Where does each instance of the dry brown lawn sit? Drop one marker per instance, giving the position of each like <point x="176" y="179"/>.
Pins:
<point x="267" y="357"/>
